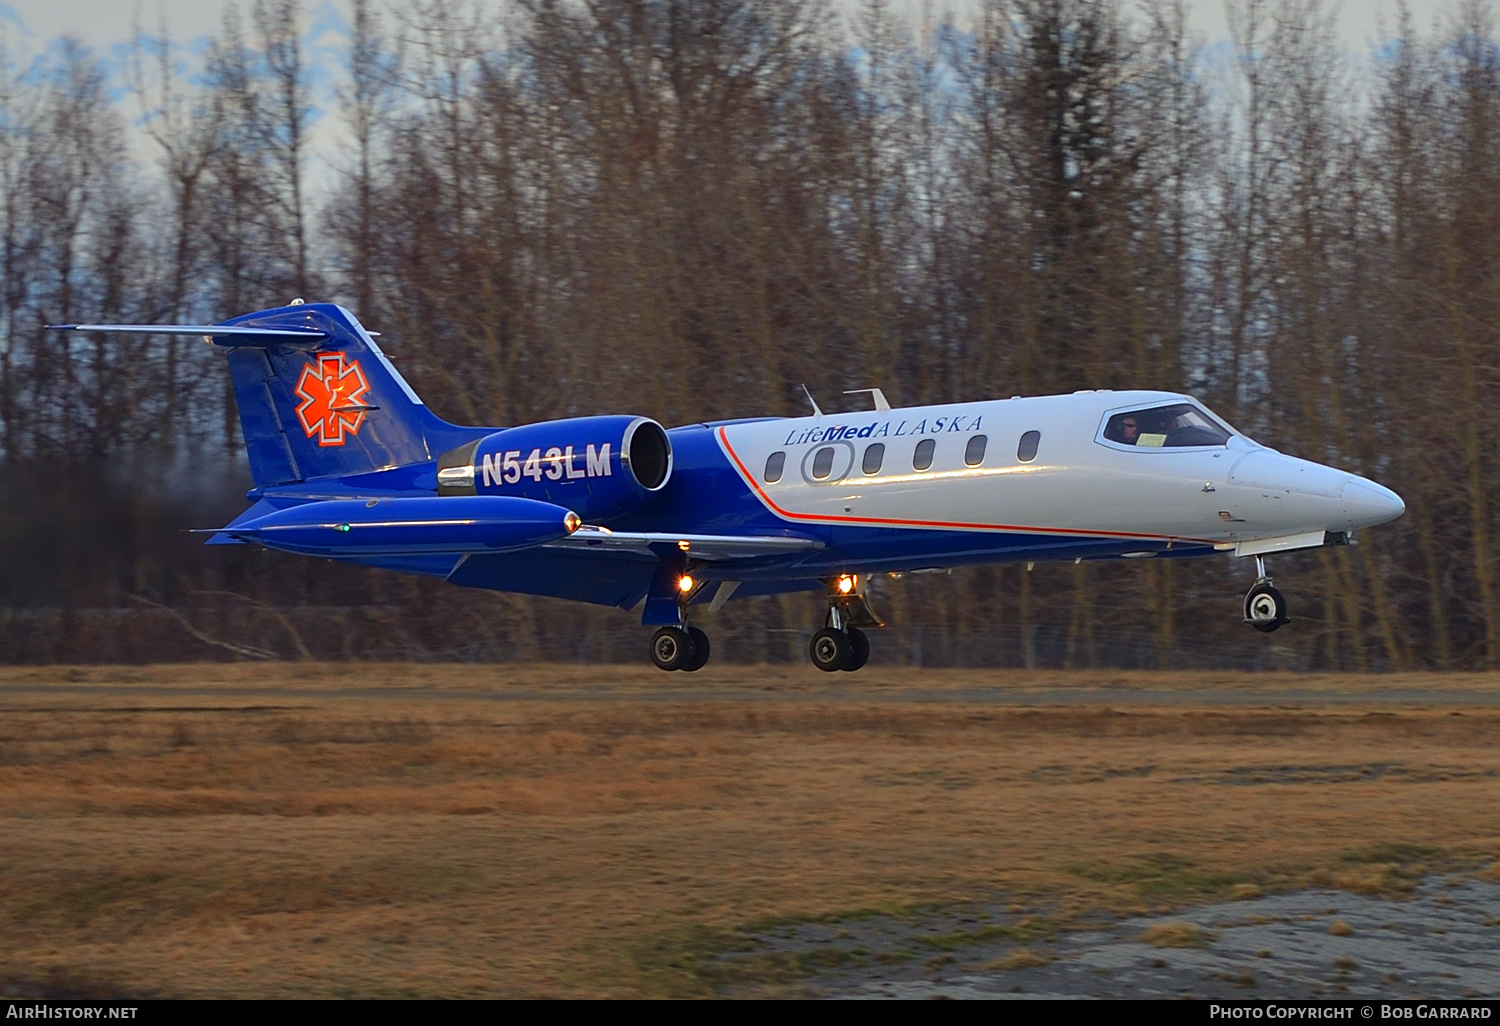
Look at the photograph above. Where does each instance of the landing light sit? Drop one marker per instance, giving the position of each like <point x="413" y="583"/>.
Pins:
<point x="572" y="521"/>
<point x="685" y="584"/>
<point x="846" y="585"/>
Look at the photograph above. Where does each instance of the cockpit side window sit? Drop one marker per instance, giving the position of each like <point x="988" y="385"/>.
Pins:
<point x="1179" y="425"/>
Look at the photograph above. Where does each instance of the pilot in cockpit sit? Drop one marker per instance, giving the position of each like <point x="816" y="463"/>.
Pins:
<point x="1179" y="425"/>
<point x="1123" y="429"/>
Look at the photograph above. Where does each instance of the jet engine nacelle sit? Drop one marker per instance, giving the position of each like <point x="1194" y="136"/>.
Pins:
<point x="598" y="467"/>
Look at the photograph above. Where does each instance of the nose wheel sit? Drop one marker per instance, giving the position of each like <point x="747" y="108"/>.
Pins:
<point x="1265" y="606"/>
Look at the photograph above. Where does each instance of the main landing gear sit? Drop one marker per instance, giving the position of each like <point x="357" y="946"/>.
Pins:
<point x="680" y="648"/>
<point x="1265" y="608"/>
<point x="841" y="645"/>
<point x="834" y="649"/>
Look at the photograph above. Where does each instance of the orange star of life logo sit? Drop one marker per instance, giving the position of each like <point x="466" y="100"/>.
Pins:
<point x="332" y="394"/>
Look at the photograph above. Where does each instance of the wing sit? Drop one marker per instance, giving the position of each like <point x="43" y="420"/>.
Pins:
<point x="614" y="568"/>
<point x="608" y="578"/>
<point x="706" y="547"/>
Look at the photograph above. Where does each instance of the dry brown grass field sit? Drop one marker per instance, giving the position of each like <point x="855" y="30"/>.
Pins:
<point x="386" y="830"/>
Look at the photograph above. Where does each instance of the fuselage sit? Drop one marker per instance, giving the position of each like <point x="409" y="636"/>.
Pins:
<point x="914" y="489"/>
<point x="1023" y="478"/>
<point x="616" y="510"/>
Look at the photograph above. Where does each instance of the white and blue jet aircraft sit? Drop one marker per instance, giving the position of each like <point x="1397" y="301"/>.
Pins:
<point x="617" y="510"/>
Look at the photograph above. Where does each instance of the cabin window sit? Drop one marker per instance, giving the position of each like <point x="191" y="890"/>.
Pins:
<point x="921" y="458"/>
<point x="1026" y="451"/>
<point x="974" y="451"/>
<point x="822" y="463"/>
<point x="1166" y="427"/>
<point x="775" y="464"/>
<point x="874" y="457"/>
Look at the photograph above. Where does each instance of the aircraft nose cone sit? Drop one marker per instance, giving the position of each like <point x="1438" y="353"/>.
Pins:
<point x="1367" y="503"/>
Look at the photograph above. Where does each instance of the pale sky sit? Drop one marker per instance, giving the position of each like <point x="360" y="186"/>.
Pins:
<point x="103" y="23"/>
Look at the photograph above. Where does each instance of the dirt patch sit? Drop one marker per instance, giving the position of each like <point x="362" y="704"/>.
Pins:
<point x="1176" y="935"/>
<point x="386" y="830"/>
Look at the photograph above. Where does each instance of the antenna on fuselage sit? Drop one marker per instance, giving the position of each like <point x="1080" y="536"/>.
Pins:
<point x="875" y="393"/>
<point x="816" y="412"/>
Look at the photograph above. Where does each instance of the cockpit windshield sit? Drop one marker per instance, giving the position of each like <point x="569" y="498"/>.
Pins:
<point x="1169" y="427"/>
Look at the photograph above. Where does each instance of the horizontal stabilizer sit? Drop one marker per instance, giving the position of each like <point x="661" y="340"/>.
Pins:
<point x="317" y="398"/>
<point x="220" y="535"/>
<point x="218" y="334"/>
<point x="712" y="547"/>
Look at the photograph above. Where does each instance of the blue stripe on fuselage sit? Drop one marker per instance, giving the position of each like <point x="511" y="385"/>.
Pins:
<point x="707" y="496"/>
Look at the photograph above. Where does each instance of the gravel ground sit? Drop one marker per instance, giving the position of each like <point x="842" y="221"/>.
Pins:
<point x="1440" y="943"/>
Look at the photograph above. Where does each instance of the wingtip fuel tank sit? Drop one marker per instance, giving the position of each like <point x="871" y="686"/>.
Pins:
<point x="416" y="526"/>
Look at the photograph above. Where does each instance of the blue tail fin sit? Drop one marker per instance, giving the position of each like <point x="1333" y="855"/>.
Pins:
<point x="317" y="397"/>
<point x="325" y="403"/>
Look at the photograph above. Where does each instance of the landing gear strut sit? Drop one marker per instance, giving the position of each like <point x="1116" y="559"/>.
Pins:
<point x="841" y="645"/>
<point x="1265" y="608"/>
<point x="677" y="646"/>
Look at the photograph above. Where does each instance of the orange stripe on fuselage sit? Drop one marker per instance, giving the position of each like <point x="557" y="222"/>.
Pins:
<point x="957" y="525"/>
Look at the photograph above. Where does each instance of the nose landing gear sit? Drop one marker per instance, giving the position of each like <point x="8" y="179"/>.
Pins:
<point x="841" y="645"/>
<point x="1265" y="607"/>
